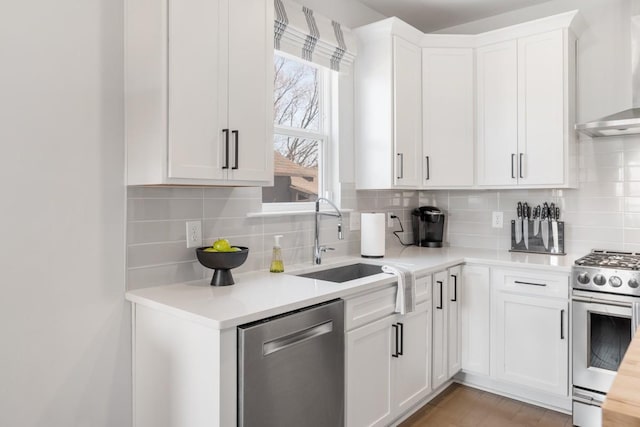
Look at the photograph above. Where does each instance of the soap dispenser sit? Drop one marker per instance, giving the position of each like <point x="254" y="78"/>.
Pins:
<point x="277" y="266"/>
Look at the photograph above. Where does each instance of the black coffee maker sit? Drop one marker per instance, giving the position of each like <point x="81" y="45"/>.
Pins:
<point x="428" y="226"/>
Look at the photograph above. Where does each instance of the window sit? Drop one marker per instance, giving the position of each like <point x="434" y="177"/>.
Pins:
<point x="301" y="134"/>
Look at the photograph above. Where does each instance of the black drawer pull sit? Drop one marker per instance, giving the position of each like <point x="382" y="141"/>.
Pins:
<point x="440" y="283"/>
<point x="529" y="283"/>
<point x="401" y="338"/>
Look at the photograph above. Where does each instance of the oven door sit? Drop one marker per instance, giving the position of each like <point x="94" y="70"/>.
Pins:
<point x="602" y="330"/>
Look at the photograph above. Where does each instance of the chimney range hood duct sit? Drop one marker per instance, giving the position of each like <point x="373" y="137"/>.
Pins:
<point x="625" y="122"/>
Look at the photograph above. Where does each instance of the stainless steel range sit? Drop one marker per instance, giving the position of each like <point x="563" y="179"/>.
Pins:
<point x="605" y="305"/>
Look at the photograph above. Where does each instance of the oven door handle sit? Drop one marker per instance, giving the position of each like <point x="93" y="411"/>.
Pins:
<point x="603" y="301"/>
<point x="587" y="400"/>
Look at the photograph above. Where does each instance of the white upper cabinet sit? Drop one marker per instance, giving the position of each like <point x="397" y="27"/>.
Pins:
<point x="496" y="109"/>
<point x="525" y="110"/>
<point x="388" y="106"/>
<point x="407" y="113"/>
<point x="199" y="92"/>
<point x="447" y="117"/>
<point x="542" y="107"/>
<point x="497" y="113"/>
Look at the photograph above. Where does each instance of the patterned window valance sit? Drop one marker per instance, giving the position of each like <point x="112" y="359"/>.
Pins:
<point x="298" y="31"/>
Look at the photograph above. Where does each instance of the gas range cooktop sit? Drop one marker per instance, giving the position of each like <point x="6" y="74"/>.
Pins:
<point x="608" y="271"/>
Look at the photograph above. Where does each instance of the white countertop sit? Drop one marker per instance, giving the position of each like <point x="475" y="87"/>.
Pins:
<point x="258" y="295"/>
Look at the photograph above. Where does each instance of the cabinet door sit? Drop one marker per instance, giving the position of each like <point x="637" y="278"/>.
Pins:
<point x="412" y="376"/>
<point x="541" y="109"/>
<point x="440" y="371"/>
<point x="368" y="372"/>
<point x="407" y="116"/>
<point x="531" y="341"/>
<point x="448" y="117"/>
<point x="453" y="320"/>
<point x="475" y="307"/>
<point x="197" y="91"/>
<point x="250" y="78"/>
<point x="497" y="112"/>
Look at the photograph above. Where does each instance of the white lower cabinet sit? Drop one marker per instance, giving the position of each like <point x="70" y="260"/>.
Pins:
<point x="531" y="342"/>
<point x="368" y="373"/>
<point x="454" y="339"/>
<point x="475" y="319"/>
<point x="447" y="291"/>
<point x="530" y="330"/>
<point x="388" y="365"/>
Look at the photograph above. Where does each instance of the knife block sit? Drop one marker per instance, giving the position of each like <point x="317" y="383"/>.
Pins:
<point x="536" y="245"/>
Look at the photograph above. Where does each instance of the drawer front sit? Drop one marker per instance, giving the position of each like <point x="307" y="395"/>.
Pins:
<point x="530" y="282"/>
<point x="372" y="306"/>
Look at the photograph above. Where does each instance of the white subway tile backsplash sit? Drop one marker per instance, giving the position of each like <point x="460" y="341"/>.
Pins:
<point x="603" y="212"/>
<point x="163" y="209"/>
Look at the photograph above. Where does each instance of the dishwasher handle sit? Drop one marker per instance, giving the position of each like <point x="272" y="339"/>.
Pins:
<point x="297" y="337"/>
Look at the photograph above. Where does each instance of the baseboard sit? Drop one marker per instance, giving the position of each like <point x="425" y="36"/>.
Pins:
<point x="516" y="392"/>
<point x="421" y="403"/>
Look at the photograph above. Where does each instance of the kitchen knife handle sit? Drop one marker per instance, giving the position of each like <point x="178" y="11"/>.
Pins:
<point x="428" y="173"/>
<point x="562" y="324"/>
<point x="236" y="135"/>
<point x="401" y="165"/>
<point x="520" y="166"/>
<point x="440" y="283"/>
<point x="455" y="288"/>
<point x="395" y="328"/>
<point x="513" y="158"/>
<point x="226" y="148"/>
<point x="401" y="325"/>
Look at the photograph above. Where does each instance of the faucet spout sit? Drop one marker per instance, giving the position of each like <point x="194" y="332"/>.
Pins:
<point x="317" y="249"/>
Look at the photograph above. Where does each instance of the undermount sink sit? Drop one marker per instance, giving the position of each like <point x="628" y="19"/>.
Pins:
<point x="344" y="273"/>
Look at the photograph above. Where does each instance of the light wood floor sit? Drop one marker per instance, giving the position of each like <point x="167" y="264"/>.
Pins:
<point x="461" y="406"/>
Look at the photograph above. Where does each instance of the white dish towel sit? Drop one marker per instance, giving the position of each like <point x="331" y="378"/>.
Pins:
<point x="406" y="296"/>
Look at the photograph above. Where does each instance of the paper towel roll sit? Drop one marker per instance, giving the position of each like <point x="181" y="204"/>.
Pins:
<point x="372" y="235"/>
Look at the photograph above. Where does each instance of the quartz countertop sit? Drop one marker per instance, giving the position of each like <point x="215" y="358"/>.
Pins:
<point x="261" y="294"/>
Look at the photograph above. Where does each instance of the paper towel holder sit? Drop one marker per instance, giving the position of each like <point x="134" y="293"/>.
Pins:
<point x="372" y="234"/>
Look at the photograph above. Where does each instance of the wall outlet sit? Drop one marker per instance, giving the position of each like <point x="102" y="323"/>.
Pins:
<point x="497" y="220"/>
<point x="194" y="234"/>
<point x="390" y="216"/>
<point x="354" y="221"/>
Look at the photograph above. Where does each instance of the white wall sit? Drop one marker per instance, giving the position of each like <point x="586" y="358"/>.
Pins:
<point x="64" y="324"/>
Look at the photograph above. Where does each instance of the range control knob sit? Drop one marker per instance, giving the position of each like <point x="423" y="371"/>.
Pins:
<point x="584" y="278"/>
<point x="599" y="280"/>
<point x="633" y="283"/>
<point x="615" y="281"/>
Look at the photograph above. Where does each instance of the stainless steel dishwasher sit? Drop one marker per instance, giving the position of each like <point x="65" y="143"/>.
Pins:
<point x="291" y="369"/>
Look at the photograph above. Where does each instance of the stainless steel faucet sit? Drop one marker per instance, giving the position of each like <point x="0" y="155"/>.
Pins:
<point x="317" y="249"/>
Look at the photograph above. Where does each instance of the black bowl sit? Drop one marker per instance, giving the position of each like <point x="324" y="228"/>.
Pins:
<point x="222" y="263"/>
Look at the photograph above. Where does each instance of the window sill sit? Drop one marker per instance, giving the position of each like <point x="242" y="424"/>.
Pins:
<point x="290" y="213"/>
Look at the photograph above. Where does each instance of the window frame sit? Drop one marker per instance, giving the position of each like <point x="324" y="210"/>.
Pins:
<point x="326" y="102"/>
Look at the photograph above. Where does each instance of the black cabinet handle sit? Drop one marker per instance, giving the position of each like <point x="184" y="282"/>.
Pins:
<point x="513" y="158"/>
<point x="440" y="283"/>
<point x="395" y="327"/>
<point x="521" y="155"/>
<point x="401" y="338"/>
<point x="401" y="165"/>
<point x="518" y="282"/>
<point x="562" y="324"/>
<point x="236" y="136"/>
<point x="455" y="288"/>
<point x="226" y="148"/>
<point x="428" y="172"/>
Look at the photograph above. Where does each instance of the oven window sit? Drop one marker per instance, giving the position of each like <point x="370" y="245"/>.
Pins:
<point x="610" y="338"/>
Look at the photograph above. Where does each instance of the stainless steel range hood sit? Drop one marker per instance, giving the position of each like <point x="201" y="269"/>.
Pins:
<point x="625" y="122"/>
